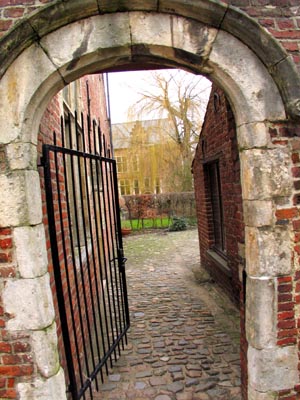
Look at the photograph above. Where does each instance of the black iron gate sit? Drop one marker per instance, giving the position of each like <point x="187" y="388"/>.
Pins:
<point x="87" y="252"/>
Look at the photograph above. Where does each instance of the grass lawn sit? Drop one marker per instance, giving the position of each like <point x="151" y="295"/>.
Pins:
<point x="150" y="223"/>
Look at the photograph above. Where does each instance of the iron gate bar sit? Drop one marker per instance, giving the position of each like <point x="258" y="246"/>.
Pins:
<point x="99" y="243"/>
<point x="111" y="306"/>
<point x="76" y="205"/>
<point x="112" y="252"/>
<point x="86" y="250"/>
<point x="55" y="258"/>
<point x="121" y="259"/>
<point x="73" y="255"/>
<point x="91" y="235"/>
<point x="103" y="317"/>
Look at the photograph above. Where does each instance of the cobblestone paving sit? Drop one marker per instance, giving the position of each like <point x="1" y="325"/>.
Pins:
<point x="183" y="342"/>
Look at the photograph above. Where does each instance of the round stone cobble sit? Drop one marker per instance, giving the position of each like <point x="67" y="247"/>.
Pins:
<point x="183" y="343"/>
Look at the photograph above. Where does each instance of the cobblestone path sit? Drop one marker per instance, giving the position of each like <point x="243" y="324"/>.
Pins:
<point x="183" y="342"/>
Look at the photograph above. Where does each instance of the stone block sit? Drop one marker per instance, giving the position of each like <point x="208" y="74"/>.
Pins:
<point x="253" y="35"/>
<point x="22" y="156"/>
<point x="261" y="312"/>
<point x="56" y="15"/>
<point x="290" y="87"/>
<point x="149" y="29"/>
<point x="19" y="113"/>
<point x="21" y="202"/>
<point x="31" y="251"/>
<point x="255" y="395"/>
<point x="272" y="369"/>
<point x="268" y="251"/>
<point x="192" y="36"/>
<point x="253" y="135"/>
<point x="258" y="98"/>
<point x="29" y="302"/>
<point x="211" y="13"/>
<point x="44" y="344"/>
<point x="126" y="5"/>
<point x="258" y="213"/>
<point x="265" y="174"/>
<point x="81" y="43"/>
<point x="53" y="388"/>
<point x="14" y="43"/>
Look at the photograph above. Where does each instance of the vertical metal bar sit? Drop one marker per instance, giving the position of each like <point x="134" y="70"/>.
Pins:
<point x="97" y="244"/>
<point x="70" y="234"/>
<point x="92" y="247"/>
<point x="58" y="282"/>
<point x="120" y="243"/>
<point x="106" y="247"/>
<point x="86" y="251"/>
<point x="99" y="232"/>
<point x="112" y="265"/>
<point x="79" y="252"/>
<point x="112" y="224"/>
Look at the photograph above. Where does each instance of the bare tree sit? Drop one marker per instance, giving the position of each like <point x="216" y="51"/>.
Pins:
<point x="181" y="97"/>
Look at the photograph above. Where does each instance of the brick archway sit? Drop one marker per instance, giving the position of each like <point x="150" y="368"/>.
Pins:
<point x="262" y="86"/>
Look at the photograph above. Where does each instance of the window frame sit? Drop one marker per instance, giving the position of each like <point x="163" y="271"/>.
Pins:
<point x="214" y="191"/>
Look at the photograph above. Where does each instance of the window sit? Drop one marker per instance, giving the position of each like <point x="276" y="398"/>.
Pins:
<point x="124" y="186"/>
<point x="157" y="186"/>
<point x="121" y="164"/>
<point x="136" y="189"/>
<point x="147" y="186"/>
<point x="135" y="164"/>
<point x="213" y="174"/>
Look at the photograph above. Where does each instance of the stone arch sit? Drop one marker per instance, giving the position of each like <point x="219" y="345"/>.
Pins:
<point x="202" y="37"/>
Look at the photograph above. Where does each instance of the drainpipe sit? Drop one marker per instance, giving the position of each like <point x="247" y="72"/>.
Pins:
<point x="108" y="112"/>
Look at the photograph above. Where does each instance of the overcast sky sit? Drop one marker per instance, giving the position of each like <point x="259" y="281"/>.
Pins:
<point x="124" y="88"/>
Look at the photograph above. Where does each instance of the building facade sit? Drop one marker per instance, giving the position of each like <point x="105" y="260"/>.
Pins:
<point x="148" y="159"/>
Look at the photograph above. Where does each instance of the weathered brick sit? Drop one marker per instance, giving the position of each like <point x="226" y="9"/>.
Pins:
<point x="6" y="243"/>
<point x="287" y="341"/>
<point x="296" y="225"/>
<point x="8" y="394"/>
<point x="284" y="279"/>
<point x="21" y="347"/>
<point x="16" y="370"/>
<point x="288" y="324"/>
<point x="5" y="231"/>
<point x="296" y="172"/>
<point x="286" y="315"/>
<point x="7" y="272"/>
<point x="14" y="12"/>
<point x="284" y="288"/>
<point x="285" y="306"/>
<point x="287" y="213"/>
<point x="286" y="24"/>
<point x="5" y="347"/>
<point x="287" y="333"/>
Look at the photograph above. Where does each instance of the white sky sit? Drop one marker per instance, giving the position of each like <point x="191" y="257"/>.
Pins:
<point x="124" y="88"/>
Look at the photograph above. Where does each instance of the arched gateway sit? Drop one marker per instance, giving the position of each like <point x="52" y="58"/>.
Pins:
<point x="61" y="43"/>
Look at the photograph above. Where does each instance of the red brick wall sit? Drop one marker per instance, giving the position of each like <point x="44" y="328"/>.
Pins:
<point x="15" y="350"/>
<point x="218" y="140"/>
<point x="288" y="286"/>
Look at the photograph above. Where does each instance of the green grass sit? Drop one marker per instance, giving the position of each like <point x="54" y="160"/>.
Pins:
<point x="149" y="223"/>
